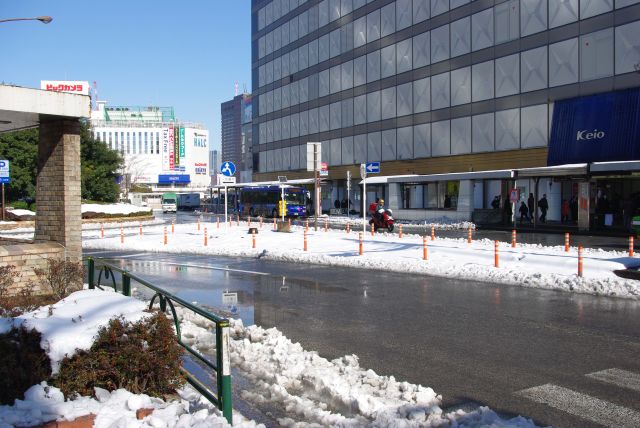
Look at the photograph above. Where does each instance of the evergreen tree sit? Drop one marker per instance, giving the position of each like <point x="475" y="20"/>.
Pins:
<point x="100" y="165"/>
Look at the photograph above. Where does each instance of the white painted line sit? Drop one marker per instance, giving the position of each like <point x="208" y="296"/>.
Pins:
<point x="618" y="377"/>
<point x="216" y="268"/>
<point x="583" y="406"/>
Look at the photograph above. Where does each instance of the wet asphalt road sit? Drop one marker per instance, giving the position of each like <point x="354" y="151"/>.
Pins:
<point x="471" y="342"/>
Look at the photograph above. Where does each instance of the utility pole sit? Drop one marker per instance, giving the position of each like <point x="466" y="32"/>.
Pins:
<point x="316" y="175"/>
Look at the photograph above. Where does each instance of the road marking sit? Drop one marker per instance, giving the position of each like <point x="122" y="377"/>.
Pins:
<point x="618" y="377"/>
<point x="216" y="268"/>
<point x="125" y="256"/>
<point x="582" y="405"/>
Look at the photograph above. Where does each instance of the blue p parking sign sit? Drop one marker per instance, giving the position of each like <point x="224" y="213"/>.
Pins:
<point x="5" y="178"/>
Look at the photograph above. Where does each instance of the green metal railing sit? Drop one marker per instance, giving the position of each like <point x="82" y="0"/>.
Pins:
<point x="222" y="366"/>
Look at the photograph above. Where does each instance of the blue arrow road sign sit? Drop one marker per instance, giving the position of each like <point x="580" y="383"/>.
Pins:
<point x="228" y="169"/>
<point x="372" y="167"/>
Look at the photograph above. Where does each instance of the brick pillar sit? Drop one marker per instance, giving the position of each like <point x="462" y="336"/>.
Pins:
<point x="58" y="191"/>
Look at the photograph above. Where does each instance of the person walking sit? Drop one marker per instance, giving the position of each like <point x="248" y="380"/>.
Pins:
<point x="564" y="211"/>
<point x="524" y="212"/>
<point x="531" y="202"/>
<point x="544" y="207"/>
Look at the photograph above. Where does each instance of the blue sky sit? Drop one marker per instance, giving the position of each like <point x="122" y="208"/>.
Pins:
<point x="186" y="54"/>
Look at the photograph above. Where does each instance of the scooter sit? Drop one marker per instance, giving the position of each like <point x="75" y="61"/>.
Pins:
<point x="383" y="221"/>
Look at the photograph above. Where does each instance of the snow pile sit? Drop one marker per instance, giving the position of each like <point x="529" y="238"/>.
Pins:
<point x="21" y="212"/>
<point x="124" y="209"/>
<point x="527" y="265"/>
<point x="439" y="223"/>
<point x="43" y="403"/>
<point x="73" y="322"/>
<point x="313" y="390"/>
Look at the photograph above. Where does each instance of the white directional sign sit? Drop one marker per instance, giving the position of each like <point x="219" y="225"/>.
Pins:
<point x="228" y="168"/>
<point x="311" y="148"/>
<point x="223" y="179"/>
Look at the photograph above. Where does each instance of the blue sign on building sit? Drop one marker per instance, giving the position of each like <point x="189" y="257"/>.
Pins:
<point x="177" y="178"/>
<point x="596" y="128"/>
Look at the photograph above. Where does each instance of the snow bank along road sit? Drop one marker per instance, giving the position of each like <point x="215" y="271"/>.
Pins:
<point x="308" y="390"/>
<point x="526" y="265"/>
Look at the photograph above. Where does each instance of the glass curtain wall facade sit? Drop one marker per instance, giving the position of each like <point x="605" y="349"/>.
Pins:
<point x="393" y="81"/>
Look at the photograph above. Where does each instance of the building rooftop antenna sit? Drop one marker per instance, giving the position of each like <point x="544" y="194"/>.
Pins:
<point x="236" y="88"/>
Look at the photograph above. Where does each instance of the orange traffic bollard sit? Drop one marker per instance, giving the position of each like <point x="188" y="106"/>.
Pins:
<point x="306" y="226"/>
<point x="433" y="233"/>
<point x="305" y="240"/>
<point x="400" y="231"/>
<point x="140" y="228"/>
<point x="326" y="224"/>
<point x="348" y="228"/>
<point x="217" y="222"/>
<point x="496" y="254"/>
<point x="238" y="220"/>
<point x="249" y="221"/>
<point x="289" y="222"/>
<point x="631" y="246"/>
<point x="425" y="256"/>
<point x="253" y="239"/>
<point x="274" y="224"/>
<point x="198" y="224"/>
<point x="469" y="236"/>
<point x="206" y="237"/>
<point x="373" y="230"/>
<point x="121" y="236"/>
<point x="260" y="222"/>
<point x="513" y="238"/>
<point x="102" y="230"/>
<point x="566" y="242"/>
<point x="165" y="235"/>
<point x="580" y="261"/>
<point x="173" y="226"/>
<point x="360" y="245"/>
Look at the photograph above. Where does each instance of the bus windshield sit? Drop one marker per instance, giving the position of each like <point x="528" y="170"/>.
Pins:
<point x="294" y="198"/>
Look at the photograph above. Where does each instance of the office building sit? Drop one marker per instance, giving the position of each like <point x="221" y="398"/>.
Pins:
<point x="467" y="89"/>
<point x="159" y="151"/>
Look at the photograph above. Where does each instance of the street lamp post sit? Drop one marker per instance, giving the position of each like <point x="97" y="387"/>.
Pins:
<point x="43" y="19"/>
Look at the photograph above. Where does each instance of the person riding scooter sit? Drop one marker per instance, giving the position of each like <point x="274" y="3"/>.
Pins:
<point x="382" y="218"/>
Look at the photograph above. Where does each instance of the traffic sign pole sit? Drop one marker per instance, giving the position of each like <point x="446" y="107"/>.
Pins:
<point x="316" y="175"/>
<point x="363" y="171"/>
<point x="2" y="201"/>
<point x="226" y="225"/>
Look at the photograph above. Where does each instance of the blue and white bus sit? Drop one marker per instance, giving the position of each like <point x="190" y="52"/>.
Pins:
<point x="263" y="201"/>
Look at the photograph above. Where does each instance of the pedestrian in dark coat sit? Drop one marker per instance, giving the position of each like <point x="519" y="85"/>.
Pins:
<point x="544" y="207"/>
<point x="524" y="211"/>
<point x="532" y="208"/>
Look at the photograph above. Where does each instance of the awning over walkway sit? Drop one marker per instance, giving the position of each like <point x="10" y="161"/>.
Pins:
<point x="625" y="167"/>
<point x="298" y="182"/>
<point x="573" y="170"/>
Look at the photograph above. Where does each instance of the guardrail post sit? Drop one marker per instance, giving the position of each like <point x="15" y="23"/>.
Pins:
<point x="126" y="284"/>
<point x="224" y="370"/>
<point x="91" y="269"/>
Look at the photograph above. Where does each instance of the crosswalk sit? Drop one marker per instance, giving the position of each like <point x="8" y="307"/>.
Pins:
<point x="588" y="407"/>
